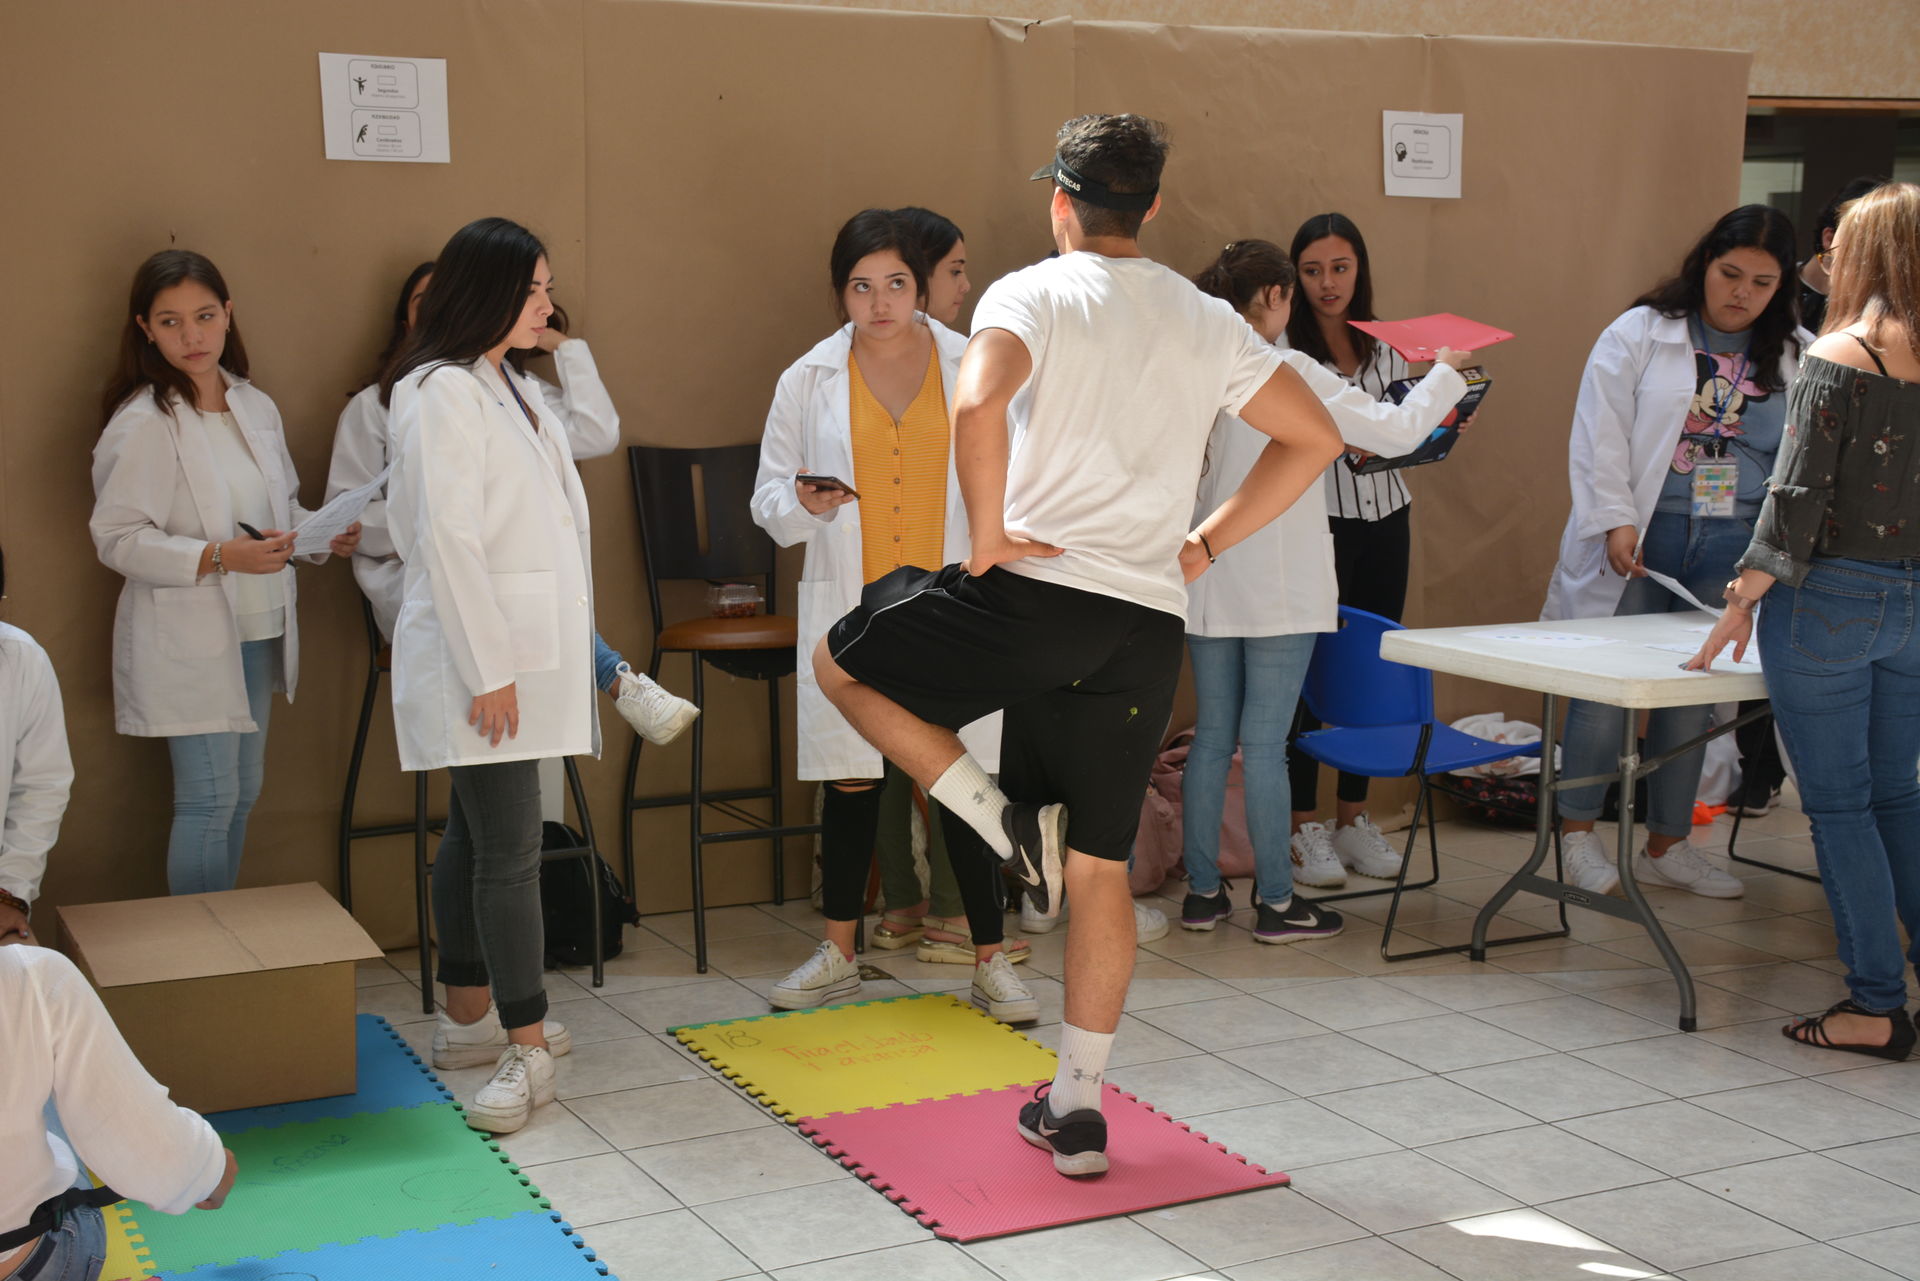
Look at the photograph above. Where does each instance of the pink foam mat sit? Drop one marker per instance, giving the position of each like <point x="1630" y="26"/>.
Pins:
<point x="960" y="1166"/>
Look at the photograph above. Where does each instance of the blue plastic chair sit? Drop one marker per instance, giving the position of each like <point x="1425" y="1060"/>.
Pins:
<point x="1383" y="726"/>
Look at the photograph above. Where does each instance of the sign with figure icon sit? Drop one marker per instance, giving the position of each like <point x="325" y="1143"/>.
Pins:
<point x="1421" y="154"/>
<point x="392" y="109"/>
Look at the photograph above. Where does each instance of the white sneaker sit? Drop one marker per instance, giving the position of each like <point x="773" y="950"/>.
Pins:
<point x="1683" y="867"/>
<point x="1587" y="863"/>
<point x="1314" y="862"/>
<point x="465" y="1045"/>
<point x="999" y="991"/>
<point x="1364" y="851"/>
<point x="655" y="714"/>
<point x="1031" y="922"/>
<point x="1149" y="923"/>
<point x="522" y="1081"/>
<point x="826" y="976"/>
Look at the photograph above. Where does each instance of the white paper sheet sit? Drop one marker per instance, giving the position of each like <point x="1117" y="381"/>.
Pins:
<point x="312" y="535"/>
<point x="1673" y="585"/>
<point x="1556" y="640"/>
<point x="1421" y="153"/>
<point x="384" y="109"/>
<point x="1726" y="661"/>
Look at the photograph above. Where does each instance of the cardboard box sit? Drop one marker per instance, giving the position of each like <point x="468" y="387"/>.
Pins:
<point x="231" y="1000"/>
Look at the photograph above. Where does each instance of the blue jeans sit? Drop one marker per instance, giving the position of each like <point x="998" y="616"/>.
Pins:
<point x="1247" y="689"/>
<point x="74" y="1251"/>
<point x="1842" y="657"/>
<point x="606" y="663"/>
<point x="1700" y="553"/>
<point x="216" y="779"/>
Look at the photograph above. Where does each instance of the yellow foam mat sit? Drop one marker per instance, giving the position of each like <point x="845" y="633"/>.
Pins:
<point x="870" y="1054"/>
<point x="126" y="1248"/>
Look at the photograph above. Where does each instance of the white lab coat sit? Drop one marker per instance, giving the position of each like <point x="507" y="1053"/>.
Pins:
<point x="34" y="763"/>
<point x="580" y="402"/>
<point x="159" y="499"/>
<point x="1280" y="580"/>
<point x="491" y="521"/>
<point x="809" y="428"/>
<point x="1634" y="396"/>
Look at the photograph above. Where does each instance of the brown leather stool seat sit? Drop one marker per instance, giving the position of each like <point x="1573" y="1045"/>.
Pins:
<point x="762" y="631"/>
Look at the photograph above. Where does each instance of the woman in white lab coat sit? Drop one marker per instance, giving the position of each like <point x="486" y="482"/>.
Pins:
<point x="1252" y="618"/>
<point x="493" y="649"/>
<point x="867" y="407"/>
<point x="1679" y="415"/>
<point x="205" y="631"/>
<point x="582" y="405"/>
<point x="36" y="771"/>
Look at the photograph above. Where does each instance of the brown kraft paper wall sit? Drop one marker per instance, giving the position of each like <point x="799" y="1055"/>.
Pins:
<point x="688" y="164"/>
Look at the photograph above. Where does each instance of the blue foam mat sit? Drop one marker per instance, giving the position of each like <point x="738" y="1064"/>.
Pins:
<point x="390" y="1075"/>
<point x="531" y="1246"/>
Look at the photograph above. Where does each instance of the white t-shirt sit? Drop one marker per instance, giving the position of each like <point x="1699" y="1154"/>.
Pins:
<point x="1131" y="364"/>
<point x="259" y="600"/>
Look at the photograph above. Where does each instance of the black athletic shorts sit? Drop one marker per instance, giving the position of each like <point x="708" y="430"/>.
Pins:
<point x="1086" y="681"/>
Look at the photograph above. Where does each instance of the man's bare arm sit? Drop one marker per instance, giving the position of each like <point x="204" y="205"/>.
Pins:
<point x="994" y="369"/>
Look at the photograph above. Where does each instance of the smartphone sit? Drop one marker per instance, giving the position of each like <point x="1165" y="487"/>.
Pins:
<point x="826" y="482"/>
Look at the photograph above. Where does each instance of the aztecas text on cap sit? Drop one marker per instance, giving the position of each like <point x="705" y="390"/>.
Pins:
<point x="1092" y="190"/>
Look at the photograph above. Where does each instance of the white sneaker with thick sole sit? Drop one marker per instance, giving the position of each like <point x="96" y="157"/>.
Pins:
<point x="522" y="1081"/>
<point x="825" y="976"/>
<point x="999" y="991"/>
<point x="1314" y="862"/>
<point x="1683" y="867"/>
<point x="1149" y="923"/>
<point x="465" y="1045"/>
<point x="1031" y="922"/>
<point x="655" y="714"/>
<point x="1365" y="851"/>
<point x="1587" y="863"/>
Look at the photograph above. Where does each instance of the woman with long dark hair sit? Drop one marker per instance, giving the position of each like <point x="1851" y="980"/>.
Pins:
<point x="867" y="407"/>
<point x="1835" y="569"/>
<point x="493" y="649"/>
<point x="195" y="501"/>
<point x="1674" y="433"/>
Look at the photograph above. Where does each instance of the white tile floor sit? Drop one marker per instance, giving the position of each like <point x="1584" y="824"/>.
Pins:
<point x="1536" y="1116"/>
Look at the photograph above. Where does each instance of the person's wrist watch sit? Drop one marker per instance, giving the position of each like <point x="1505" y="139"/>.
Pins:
<point x="1744" y="604"/>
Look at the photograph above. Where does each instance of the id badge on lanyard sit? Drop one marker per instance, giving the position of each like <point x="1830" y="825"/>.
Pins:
<point x="1715" y="484"/>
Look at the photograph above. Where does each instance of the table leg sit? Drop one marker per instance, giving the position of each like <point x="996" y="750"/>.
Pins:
<point x="1630" y="773"/>
<point x="1542" y="832"/>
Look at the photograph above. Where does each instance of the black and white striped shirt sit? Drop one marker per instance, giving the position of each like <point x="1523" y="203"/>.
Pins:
<point x="1383" y="493"/>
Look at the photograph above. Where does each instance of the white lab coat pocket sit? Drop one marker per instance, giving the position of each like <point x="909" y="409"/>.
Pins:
<point x="192" y="622"/>
<point x="528" y="602"/>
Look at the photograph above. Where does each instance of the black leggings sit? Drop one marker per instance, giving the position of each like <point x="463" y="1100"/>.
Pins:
<point x="1370" y="560"/>
<point x="849" y="822"/>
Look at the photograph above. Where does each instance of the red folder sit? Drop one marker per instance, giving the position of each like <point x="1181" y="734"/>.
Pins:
<point x="1422" y="337"/>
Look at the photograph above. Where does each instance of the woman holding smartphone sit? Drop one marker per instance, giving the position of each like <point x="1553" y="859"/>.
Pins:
<point x="493" y="649"/>
<point x="868" y="407"/>
<point x="195" y="498"/>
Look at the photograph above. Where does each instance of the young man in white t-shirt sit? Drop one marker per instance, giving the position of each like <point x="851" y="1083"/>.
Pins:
<point x="1070" y="613"/>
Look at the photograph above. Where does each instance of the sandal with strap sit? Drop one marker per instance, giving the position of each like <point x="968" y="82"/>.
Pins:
<point x="898" y="929"/>
<point x="960" y="951"/>
<point x="1813" y="1032"/>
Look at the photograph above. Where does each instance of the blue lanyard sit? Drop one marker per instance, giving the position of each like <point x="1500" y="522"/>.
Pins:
<point x="1722" y="403"/>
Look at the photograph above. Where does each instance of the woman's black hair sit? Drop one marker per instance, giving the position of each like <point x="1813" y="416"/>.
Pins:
<point x="1245" y="268"/>
<point x="874" y="231"/>
<point x="397" y="333"/>
<point x="480" y="283"/>
<point x="1303" y="328"/>
<point x="1759" y="227"/>
<point x="141" y="367"/>
<point x="935" y="233"/>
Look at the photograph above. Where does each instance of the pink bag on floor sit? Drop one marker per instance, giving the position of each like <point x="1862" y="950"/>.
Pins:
<point x="1157" y="850"/>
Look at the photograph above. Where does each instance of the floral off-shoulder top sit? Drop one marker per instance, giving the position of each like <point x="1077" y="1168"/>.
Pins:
<point x="1846" y="482"/>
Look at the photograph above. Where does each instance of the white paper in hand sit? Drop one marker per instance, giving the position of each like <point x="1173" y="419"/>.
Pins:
<point x="313" y="534"/>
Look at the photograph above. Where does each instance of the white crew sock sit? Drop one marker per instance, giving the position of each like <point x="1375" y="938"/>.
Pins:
<point x="1083" y="1066"/>
<point x="970" y="792"/>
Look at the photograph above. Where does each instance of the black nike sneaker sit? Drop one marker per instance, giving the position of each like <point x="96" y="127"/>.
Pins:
<point x="1078" y="1140"/>
<point x="1204" y="911"/>
<point x="1300" y="919"/>
<point x="1039" y="836"/>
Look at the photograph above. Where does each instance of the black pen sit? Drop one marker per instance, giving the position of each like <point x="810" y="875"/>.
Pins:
<point x="250" y="531"/>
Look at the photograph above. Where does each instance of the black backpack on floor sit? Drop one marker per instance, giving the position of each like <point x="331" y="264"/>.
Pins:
<point x="565" y="885"/>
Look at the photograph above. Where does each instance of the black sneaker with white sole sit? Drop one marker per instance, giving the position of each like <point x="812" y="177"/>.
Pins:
<point x="1039" y="836"/>
<point x="1204" y="911"/>
<point x="1300" y="919"/>
<point x="1077" y="1140"/>
<point x="1752" y="799"/>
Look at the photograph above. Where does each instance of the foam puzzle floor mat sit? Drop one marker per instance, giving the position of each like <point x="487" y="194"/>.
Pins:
<point x="867" y="1054"/>
<point x="961" y="1167"/>
<point x="532" y="1246"/>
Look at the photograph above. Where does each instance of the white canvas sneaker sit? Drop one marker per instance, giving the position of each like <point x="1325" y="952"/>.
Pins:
<point x="465" y="1045"/>
<point x="1365" y="851"/>
<point x="825" y="976"/>
<point x="1314" y="862"/>
<point x="655" y="714"/>
<point x="1587" y="863"/>
<point x="1683" y="867"/>
<point x="999" y="991"/>
<point x="1149" y="923"/>
<point x="522" y="1081"/>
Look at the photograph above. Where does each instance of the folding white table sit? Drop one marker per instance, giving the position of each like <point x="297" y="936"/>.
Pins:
<point x="1603" y="660"/>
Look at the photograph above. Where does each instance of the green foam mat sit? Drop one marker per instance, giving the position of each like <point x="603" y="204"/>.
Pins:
<point x="316" y="1183"/>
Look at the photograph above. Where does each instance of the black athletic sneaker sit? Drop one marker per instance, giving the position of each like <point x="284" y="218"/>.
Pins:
<point x="1078" y="1140"/>
<point x="1039" y="836"/>
<point x="1300" y="919"/>
<point x="1752" y="799"/>
<point x="1204" y="911"/>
